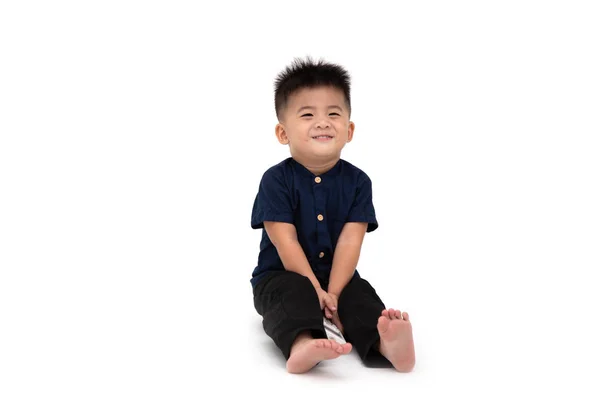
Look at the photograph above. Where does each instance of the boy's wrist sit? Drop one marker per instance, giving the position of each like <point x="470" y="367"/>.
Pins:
<point x="315" y="283"/>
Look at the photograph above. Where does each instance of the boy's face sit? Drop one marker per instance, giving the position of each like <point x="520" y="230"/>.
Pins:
<point x="316" y="124"/>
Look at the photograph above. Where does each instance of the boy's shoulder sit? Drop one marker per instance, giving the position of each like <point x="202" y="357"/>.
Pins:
<point x="286" y="163"/>
<point x="353" y="169"/>
<point x="353" y="175"/>
<point x="279" y="170"/>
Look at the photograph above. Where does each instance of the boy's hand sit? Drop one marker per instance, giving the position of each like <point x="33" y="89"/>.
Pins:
<point x="331" y="307"/>
<point x="333" y="315"/>
<point x="327" y="303"/>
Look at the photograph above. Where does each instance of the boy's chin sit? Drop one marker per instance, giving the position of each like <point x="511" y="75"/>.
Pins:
<point x="325" y="150"/>
<point x="326" y="155"/>
<point x="321" y="154"/>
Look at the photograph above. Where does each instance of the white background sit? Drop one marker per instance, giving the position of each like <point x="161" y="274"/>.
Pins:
<point x="133" y="138"/>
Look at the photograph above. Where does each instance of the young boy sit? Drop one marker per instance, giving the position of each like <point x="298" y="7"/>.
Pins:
<point x="314" y="209"/>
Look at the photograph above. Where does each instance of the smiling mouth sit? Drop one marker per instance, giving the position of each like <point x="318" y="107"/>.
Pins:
<point x="323" y="137"/>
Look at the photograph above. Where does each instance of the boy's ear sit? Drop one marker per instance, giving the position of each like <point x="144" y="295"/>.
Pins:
<point x="351" y="127"/>
<point x="281" y="134"/>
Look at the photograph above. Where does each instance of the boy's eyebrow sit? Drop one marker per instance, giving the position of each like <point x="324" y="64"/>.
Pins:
<point x="312" y="108"/>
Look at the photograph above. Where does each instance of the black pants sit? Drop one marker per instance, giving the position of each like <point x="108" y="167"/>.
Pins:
<point x="289" y="304"/>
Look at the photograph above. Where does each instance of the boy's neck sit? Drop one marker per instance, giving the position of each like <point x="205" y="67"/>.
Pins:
<point x="318" y="167"/>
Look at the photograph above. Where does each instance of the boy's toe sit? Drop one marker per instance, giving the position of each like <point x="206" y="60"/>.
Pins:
<point x="383" y="324"/>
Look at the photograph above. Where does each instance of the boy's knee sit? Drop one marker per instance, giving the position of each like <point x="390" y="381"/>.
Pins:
<point x="296" y="291"/>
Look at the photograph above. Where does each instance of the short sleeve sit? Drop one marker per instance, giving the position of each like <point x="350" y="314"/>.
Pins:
<point x="362" y="209"/>
<point x="273" y="201"/>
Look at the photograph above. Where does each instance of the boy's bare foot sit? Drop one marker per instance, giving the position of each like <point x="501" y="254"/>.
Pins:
<point x="396" y="342"/>
<point x="307" y="352"/>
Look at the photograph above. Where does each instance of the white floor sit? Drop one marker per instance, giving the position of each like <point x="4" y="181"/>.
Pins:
<point x="159" y="340"/>
<point x="471" y="348"/>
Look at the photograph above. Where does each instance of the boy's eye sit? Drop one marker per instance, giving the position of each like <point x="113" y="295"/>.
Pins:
<point x="334" y="114"/>
<point x="306" y="115"/>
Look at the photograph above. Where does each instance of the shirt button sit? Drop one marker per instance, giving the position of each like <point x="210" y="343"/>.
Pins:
<point x="318" y="179"/>
<point x="320" y="217"/>
<point x="321" y="255"/>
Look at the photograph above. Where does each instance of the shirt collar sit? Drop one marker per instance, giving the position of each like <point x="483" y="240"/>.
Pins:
<point x="306" y="172"/>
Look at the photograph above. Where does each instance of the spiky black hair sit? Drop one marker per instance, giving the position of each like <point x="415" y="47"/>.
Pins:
<point x="307" y="73"/>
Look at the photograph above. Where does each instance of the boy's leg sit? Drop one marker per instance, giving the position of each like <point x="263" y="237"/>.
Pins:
<point x="289" y="305"/>
<point x="381" y="337"/>
<point x="359" y="309"/>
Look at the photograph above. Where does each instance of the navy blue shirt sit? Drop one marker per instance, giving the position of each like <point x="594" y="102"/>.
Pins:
<point x="318" y="206"/>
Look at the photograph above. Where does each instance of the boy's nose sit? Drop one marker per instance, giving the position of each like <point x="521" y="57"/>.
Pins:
<point x="323" y="124"/>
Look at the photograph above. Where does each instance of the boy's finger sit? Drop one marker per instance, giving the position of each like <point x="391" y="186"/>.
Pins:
<point x="330" y="304"/>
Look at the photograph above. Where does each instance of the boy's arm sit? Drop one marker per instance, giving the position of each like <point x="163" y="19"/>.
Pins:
<point x="345" y="257"/>
<point x="284" y="237"/>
